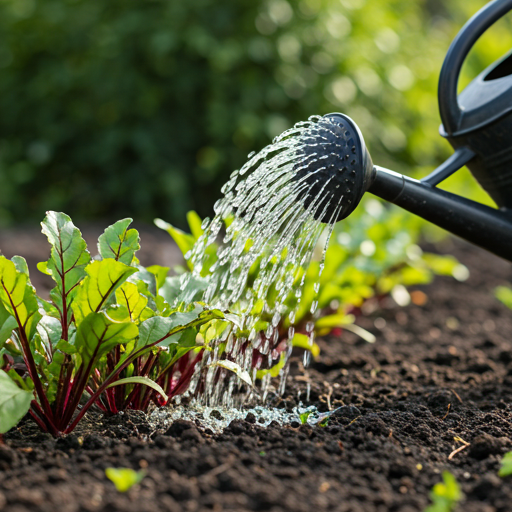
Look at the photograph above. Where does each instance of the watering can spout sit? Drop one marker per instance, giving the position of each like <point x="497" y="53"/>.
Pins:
<point x="481" y="225"/>
<point x="340" y="171"/>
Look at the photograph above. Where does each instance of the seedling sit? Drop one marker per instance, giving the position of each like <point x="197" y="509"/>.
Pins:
<point x="506" y="465"/>
<point x="324" y="422"/>
<point x="124" y="478"/>
<point x="304" y="417"/>
<point x="445" y="495"/>
<point x="504" y="294"/>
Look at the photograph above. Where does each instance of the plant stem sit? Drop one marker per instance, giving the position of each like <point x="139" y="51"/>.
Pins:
<point x="63" y="389"/>
<point x="32" y="370"/>
<point x="42" y="420"/>
<point x="109" y="380"/>
<point x="144" y="373"/>
<point x="103" y="386"/>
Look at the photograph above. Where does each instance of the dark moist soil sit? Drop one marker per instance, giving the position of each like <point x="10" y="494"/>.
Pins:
<point x="438" y="376"/>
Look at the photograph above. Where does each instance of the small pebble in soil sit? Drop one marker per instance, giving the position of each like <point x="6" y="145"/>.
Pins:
<point x="216" y="414"/>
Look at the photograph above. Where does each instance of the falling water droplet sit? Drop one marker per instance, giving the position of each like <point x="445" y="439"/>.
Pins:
<point x="261" y="267"/>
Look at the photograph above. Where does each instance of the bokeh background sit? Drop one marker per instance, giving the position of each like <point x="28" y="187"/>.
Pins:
<point x="143" y="108"/>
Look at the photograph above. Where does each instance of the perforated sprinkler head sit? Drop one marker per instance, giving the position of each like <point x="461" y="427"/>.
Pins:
<point x="337" y="168"/>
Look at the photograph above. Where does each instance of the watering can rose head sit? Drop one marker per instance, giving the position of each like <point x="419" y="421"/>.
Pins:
<point x="335" y="169"/>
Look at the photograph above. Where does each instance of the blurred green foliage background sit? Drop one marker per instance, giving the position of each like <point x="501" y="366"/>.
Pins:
<point x="144" y="107"/>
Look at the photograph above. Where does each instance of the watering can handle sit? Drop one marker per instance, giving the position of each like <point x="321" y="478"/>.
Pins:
<point x="449" y="77"/>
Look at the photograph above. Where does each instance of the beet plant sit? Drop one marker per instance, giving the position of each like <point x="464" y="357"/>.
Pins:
<point x="369" y="256"/>
<point x="105" y="337"/>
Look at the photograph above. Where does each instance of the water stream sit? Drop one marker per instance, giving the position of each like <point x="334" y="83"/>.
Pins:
<point x="269" y="231"/>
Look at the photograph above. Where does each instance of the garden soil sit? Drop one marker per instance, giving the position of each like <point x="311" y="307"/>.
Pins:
<point x="433" y="393"/>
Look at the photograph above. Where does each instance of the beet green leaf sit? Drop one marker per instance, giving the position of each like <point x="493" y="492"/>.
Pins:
<point x="14" y="402"/>
<point x="128" y="295"/>
<point x="18" y="297"/>
<point x="103" y="278"/>
<point x="66" y="266"/>
<point x="119" y="243"/>
<point x="160" y="274"/>
<point x="140" y="380"/>
<point x="7" y="324"/>
<point x="98" y="335"/>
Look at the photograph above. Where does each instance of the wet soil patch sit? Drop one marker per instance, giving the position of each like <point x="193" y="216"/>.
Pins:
<point x="438" y="378"/>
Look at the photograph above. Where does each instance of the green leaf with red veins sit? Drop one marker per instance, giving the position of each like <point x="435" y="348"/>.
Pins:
<point x="168" y="329"/>
<point x="119" y="243"/>
<point x="50" y="331"/>
<point x="18" y="297"/>
<point x="152" y="330"/>
<point x="128" y="295"/>
<point x="103" y="279"/>
<point x="68" y="258"/>
<point x="182" y="321"/>
<point x="97" y="335"/>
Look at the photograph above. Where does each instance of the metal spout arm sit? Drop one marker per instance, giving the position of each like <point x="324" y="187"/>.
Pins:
<point x="481" y="225"/>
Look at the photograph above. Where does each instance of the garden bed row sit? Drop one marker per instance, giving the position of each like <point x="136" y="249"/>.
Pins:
<point x="439" y="376"/>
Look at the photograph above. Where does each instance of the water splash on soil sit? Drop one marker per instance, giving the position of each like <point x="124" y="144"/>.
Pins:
<point x="217" y="418"/>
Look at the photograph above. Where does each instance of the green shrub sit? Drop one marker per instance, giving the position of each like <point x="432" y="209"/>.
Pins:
<point x="159" y="101"/>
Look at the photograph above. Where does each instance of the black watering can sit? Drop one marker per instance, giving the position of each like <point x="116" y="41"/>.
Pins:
<point x="477" y="123"/>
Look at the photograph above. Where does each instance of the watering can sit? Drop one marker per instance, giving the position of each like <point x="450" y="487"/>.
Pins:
<point x="477" y="123"/>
